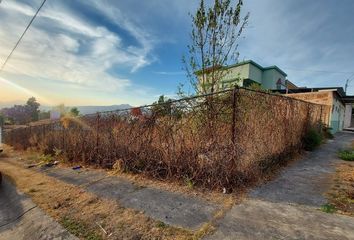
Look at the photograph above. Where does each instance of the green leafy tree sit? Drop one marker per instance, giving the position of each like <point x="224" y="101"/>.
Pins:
<point x="2" y="119"/>
<point x="43" y="115"/>
<point x="33" y="107"/>
<point x="165" y="107"/>
<point x="22" y="114"/>
<point x="162" y="106"/>
<point x="74" y="112"/>
<point x="214" y="39"/>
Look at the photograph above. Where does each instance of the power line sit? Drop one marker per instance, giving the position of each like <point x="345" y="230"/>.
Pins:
<point x="23" y="34"/>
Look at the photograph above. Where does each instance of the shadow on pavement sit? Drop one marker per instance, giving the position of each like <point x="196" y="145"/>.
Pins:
<point x="11" y="204"/>
<point x="20" y="218"/>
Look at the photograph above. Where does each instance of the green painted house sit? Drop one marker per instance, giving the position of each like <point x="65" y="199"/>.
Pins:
<point x="249" y="72"/>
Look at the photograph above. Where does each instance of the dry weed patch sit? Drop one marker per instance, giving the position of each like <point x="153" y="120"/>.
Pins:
<point x="341" y="195"/>
<point x="30" y="156"/>
<point x="218" y="142"/>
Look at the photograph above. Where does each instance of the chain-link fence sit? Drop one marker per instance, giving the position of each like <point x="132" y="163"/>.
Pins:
<point x="216" y="140"/>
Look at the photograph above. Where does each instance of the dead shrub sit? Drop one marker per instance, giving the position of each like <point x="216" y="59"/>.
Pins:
<point x="118" y="166"/>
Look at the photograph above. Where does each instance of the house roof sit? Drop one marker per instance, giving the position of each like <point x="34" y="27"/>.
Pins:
<point x="290" y="84"/>
<point x="348" y="99"/>
<point x="244" y="63"/>
<point x="337" y="90"/>
<point x="256" y="65"/>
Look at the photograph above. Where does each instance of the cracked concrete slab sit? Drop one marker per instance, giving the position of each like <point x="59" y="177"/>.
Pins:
<point x="21" y="219"/>
<point x="171" y="208"/>
<point x="75" y="177"/>
<point x="168" y="207"/>
<point x="288" y="206"/>
<point x="258" y="219"/>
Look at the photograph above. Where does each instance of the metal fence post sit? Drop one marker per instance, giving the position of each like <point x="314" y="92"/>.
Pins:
<point x="63" y="136"/>
<point x="97" y="132"/>
<point x="233" y="128"/>
<point x="43" y="132"/>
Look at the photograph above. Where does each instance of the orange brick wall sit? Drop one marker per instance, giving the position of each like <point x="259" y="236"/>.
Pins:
<point x="323" y="98"/>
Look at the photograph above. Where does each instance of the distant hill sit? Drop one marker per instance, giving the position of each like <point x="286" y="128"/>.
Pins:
<point x="92" y="109"/>
<point x="11" y="104"/>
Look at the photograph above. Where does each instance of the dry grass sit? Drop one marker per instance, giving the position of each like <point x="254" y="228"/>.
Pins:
<point x="341" y="195"/>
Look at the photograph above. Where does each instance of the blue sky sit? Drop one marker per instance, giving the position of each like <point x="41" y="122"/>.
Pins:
<point x="87" y="52"/>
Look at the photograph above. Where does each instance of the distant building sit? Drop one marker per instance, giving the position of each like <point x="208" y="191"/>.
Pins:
<point x="54" y="114"/>
<point x="246" y="73"/>
<point x="340" y="104"/>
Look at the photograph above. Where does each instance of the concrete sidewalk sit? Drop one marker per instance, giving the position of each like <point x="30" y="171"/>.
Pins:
<point x="21" y="219"/>
<point x="175" y="209"/>
<point x="288" y="207"/>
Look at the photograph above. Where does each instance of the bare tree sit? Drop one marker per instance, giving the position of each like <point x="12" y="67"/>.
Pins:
<point x="214" y="41"/>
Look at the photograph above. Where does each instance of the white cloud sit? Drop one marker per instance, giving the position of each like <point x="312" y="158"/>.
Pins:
<point x="67" y="43"/>
<point x="60" y="46"/>
<point x="21" y="8"/>
<point x="170" y="73"/>
<point x="147" y="41"/>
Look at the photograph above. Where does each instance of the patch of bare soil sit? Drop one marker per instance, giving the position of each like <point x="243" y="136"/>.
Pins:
<point x="85" y="215"/>
<point x="341" y="195"/>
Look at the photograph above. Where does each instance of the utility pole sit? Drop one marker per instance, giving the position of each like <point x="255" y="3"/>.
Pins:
<point x="346" y="86"/>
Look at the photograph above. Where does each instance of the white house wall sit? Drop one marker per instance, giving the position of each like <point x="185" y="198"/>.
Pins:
<point x="348" y="115"/>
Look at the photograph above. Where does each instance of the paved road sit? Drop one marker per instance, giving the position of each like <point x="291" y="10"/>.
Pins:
<point x="288" y="207"/>
<point x="21" y="219"/>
